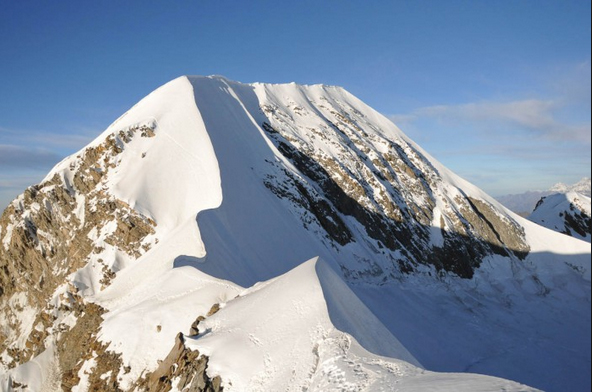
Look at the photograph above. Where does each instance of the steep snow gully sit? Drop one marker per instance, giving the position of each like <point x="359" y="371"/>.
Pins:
<point x="416" y="280"/>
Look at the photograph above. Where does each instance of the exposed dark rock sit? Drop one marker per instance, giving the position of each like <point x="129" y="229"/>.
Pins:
<point x="579" y="223"/>
<point x="80" y="344"/>
<point x="186" y="368"/>
<point x="392" y="217"/>
<point x="194" y="330"/>
<point x="213" y="310"/>
<point x="45" y="238"/>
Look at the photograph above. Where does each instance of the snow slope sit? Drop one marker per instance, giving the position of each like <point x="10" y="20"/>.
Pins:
<point x="282" y="335"/>
<point x="567" y="213"/>
<point x="225" y="175"/>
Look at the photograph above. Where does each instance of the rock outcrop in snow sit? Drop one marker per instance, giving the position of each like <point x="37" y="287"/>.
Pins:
<point x="65" y="226"/>
<point x="208" y="186"/>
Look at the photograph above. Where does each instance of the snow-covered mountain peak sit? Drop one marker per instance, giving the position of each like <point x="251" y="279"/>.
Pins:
<point x="567" y="213"/>
<point x="207" y="187"/>
<point x="338" y="161"/>
<point x="583" y="187"/>
<point x="168" y="170"/>
<point x="525" y="203"/>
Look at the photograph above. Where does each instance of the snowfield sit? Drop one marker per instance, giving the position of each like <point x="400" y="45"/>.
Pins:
<point x="230" y="231"/>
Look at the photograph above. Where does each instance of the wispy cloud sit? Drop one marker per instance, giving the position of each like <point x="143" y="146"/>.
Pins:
<point x="54" y="140"/>
<point x="18" y="184"/>
<point x="557" y="114"/>
<point x="26" y="156"/>
<point x="13" y="183"/>
<point x="538" y="117"/>
<point x="18" y="157"/>
<point x="513" y="145"/>
<point x="573" y="84"/>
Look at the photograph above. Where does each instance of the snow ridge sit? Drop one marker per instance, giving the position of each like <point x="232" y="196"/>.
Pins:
<point x="284" y="337"/>
<point x="210" y="195"/>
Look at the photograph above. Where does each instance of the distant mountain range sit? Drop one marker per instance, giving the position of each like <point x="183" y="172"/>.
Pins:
<point x="524" y="203"/>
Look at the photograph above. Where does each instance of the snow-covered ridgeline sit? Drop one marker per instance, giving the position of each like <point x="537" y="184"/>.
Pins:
<point x="232" y="205"/>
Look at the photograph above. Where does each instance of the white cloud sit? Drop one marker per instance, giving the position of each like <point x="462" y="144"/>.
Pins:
<point x="538" y="117"/>
<point x="514" y="145"/>
<point x="18" y="184"/>
<point x="532" y="114"/>
<point x="43" y="139"/>
<point x="27" y="156"/>
<point x="573" y="84"/>
<point x="18" y="157"/>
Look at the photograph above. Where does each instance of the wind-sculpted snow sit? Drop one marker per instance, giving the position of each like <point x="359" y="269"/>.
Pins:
<point x="294" y="333"/>
<point x="151" y="241"/>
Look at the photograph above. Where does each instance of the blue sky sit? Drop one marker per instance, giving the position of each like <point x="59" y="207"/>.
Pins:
<point x="499" y="91"/>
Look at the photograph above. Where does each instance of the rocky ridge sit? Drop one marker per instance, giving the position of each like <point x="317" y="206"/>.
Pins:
<point x="55" y="229"/>
<point x="388" y="187"/>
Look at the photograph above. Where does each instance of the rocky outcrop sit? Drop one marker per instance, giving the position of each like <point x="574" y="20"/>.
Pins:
<point x="578" y="223"/>
<point x="183" y="368"/>
<point x="54" y="229"/>
<point x="391" y="190"/>
<point x="75" y="346"/>
<point x="79" y="344"/>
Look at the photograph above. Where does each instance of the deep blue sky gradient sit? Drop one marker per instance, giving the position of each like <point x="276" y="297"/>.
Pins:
<point x="497" y="90"/>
